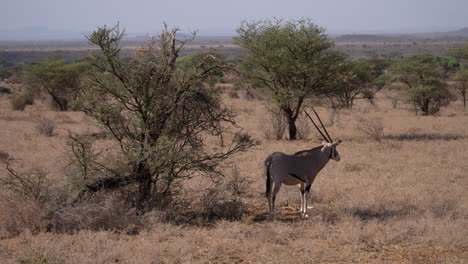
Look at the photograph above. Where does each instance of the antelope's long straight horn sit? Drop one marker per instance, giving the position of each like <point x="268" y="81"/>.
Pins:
<point x="324" y="129"/>
<point x="321" y="133"/>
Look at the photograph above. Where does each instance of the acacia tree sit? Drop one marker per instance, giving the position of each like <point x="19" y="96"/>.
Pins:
<point x="353" y="80"/>
<point x="56" y="78"/>
<point x="290" y="60"/>
<point x="424" y="83"/>
<point x="159" y="112"/>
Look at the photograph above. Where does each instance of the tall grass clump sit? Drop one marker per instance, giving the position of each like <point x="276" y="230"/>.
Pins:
<point x="20" y="101"/>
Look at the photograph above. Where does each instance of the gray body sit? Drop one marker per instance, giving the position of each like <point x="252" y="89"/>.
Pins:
<point x="300" y="169"/>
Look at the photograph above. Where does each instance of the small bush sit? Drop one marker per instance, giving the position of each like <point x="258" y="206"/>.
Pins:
<point x="46" y="127"/>
<point x="99" y="213"/>
<point x="5" y="90"/>
<point x="372" y="127"/>
<point x="354" y="167"/>
<point x="30" y="182"/>
<point x="237" y="184"/>
<point x="430" y="99"/>
<point x="216" y="205"/>
<point x="20" y="102"/>
<point x="303" y="127"/>
<point x="394" y="100"/>
<point x="98" y="135"/>
<point x="19" y="213"/>
<point x="4" y="156"/>
<point x="274" y="126"/>
<point x="233" y="94"/>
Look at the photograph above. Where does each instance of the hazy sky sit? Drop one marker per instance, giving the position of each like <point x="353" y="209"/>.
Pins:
<point x="49" y="19"/>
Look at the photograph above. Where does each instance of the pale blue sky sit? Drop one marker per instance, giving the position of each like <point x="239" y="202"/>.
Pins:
<point x="48" y="19"/>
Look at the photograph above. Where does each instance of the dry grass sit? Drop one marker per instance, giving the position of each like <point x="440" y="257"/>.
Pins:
<point x="46" y="127"/>
<point x="403" y="202"/>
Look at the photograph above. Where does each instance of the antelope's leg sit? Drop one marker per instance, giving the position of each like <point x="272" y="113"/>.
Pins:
<point x="269" y="194"/>
<point x="273" y="198"/>
<point x="306" y="197"/>
<point x="302" y="189"/>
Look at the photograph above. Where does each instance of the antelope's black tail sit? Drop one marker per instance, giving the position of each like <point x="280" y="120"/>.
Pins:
<point x="267" y="165"/>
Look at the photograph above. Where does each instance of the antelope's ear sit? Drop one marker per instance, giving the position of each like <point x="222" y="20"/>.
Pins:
<point x="325" y="145"/>
<point x="337" y="143"/>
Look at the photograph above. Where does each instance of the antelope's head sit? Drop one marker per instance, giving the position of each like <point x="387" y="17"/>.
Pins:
<point x="334" y="155"/>
<point x="328" y="144"/>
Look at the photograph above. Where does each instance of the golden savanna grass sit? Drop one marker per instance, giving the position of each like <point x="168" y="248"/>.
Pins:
<point x="401" y="201"/>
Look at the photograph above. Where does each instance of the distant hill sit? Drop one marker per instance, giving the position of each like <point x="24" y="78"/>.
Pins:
<point x="356" y="45"/>
<point x="461" y="34"/>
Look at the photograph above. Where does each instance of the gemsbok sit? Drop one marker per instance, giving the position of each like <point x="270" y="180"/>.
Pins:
<point x="300" y="168"/>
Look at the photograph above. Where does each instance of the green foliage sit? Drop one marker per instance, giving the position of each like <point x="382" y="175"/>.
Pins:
<point x="379" y="66"/>
<point x="461" y="79"/>
<point x="460" y="52"/>
<point x="20" y="101"/>
<point x="290" y="60"/>
<point x="5" y="72"/>
<point x="449" y="64"/>
<point x="210" y="59"/>
<point x="160" y="112"/>
<point x="429" y="98"/>
<point x="424" y="80"/>
<point x="381" y="80"/>
<point x="57" y="78"/>
<point x="354" y="79"/>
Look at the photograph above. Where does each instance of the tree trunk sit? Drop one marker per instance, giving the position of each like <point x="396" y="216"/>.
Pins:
<point x="464" y="101"/>
<point x="143" y="175"/>
<point x="291" y="126"/>
<point x="292" y="129"/>
<point x="425" y="107"/>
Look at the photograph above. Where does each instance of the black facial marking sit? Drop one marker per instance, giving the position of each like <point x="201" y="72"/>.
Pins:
<point x="332" y="153"/>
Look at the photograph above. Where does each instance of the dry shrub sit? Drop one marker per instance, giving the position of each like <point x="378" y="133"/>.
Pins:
<point x="98" y="135"/>
<point x="237" y="184"/>
<point x="4" y="156"/>
<point x="303" y="127"/>
<point x="18" y="213"/>
<point x="39" y="252"/>
<point x="35" y="256"/>
<point x="32" y="182"/>
<point x="45" y="127"/>
<point x="109" y="213"/>
<point x="233" y="94"/>
<point x="216" y="205"/>
<point x="62" y="118"/>
<point x="25" y="195"/>
<point x="223" y="201"/>
<point x="334" y="116"/>
<point x="354" y="167"/>
<point x="274" y="125"/>
<point x="371" y="127"/>
<point x="394" y="100"/>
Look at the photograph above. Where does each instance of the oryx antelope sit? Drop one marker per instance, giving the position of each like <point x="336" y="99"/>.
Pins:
<point x="301" y="168"/>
